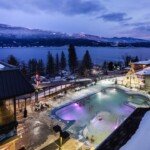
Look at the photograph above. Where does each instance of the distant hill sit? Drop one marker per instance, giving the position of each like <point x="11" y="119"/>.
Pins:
<point x="19" y="36"/>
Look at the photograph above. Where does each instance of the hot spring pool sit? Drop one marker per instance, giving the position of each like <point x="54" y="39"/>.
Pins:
<point x="98" y="115"/>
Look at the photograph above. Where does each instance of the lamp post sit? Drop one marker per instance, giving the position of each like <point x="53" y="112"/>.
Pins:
<point x="25" y="109"/>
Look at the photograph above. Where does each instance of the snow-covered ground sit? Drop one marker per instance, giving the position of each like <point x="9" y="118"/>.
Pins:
<point x="140" y="140"/>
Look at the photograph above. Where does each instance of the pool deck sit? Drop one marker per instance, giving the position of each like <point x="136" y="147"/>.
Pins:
<point x="128" y="91"/>
<point x="69" y="98"/>
<point x="39" y="124"/>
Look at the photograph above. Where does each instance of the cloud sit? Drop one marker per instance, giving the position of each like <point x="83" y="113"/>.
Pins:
<point x="144" y="28"/>
<point x="115" y="17"/>
<point x="67" y="7"/>
<point x="138" y="30"/>
<point x="139" y="26"/>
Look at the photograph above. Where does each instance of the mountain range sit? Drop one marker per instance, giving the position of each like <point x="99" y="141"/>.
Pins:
<point x="11" y="36"/>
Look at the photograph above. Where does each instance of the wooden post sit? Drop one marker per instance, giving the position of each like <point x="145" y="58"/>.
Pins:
<point x="15" y="115"/>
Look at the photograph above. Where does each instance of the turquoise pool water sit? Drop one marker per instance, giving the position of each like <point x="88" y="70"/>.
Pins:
<point x="111" y="100"/>
<point x="98" y="115"/>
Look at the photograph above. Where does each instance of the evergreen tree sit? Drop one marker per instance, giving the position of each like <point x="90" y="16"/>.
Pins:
<point x="32" y="67"/>
<point x="40" y="67"/>
<point x="23" y="68"/>
<point x="50" y="67"/>
<point x="105" y="65"/>
<point x="87" y="62"/>
<point x="72" y="58"/>
<point x="48" y="63"/>
<point x="136" y="59"/>
<point x="127" y="61"/>
<point x="111" y="66"/>
<point x="12" y="60"/>
<point x="63" y="61"/>
<point x="57" y="63"/>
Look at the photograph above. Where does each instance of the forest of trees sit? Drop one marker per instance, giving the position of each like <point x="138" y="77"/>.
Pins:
<point x="111" y="66"/>
<point x="54" y="64"/>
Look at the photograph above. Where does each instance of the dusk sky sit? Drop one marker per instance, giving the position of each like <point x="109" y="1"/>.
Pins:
<point x="106" y="18"/>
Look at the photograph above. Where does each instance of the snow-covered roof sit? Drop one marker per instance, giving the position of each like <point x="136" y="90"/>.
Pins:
<point x="140" y="140"/>
<point x="146" y="62"/>
<point x="145" y="71"/>
<point x="2" y="66"/>
<point x="5" y="66"/>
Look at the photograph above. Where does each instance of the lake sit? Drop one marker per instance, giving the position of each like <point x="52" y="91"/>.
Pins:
<point x="98" y="54"/>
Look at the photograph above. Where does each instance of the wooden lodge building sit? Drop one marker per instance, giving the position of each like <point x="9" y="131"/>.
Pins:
<point x="12" y="85"/>
<point x="141" y="65"/>
<point x="144" y="75"/>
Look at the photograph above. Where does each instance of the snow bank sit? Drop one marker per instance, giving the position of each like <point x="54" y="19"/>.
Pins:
<point x="140" y="140"/>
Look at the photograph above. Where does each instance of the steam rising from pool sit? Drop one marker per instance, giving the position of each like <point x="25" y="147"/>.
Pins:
<point x="98" y="115"/>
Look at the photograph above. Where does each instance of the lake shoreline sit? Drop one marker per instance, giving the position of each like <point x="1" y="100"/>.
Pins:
<point x="75" y="46"/>
<point x="98" y="54"/>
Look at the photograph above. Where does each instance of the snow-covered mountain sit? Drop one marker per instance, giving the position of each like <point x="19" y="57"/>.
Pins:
<point x="123" y="40"/>
<point x="113" y="40"/>
<point x="11" y="36"/>
<point x="21" y="32"/>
